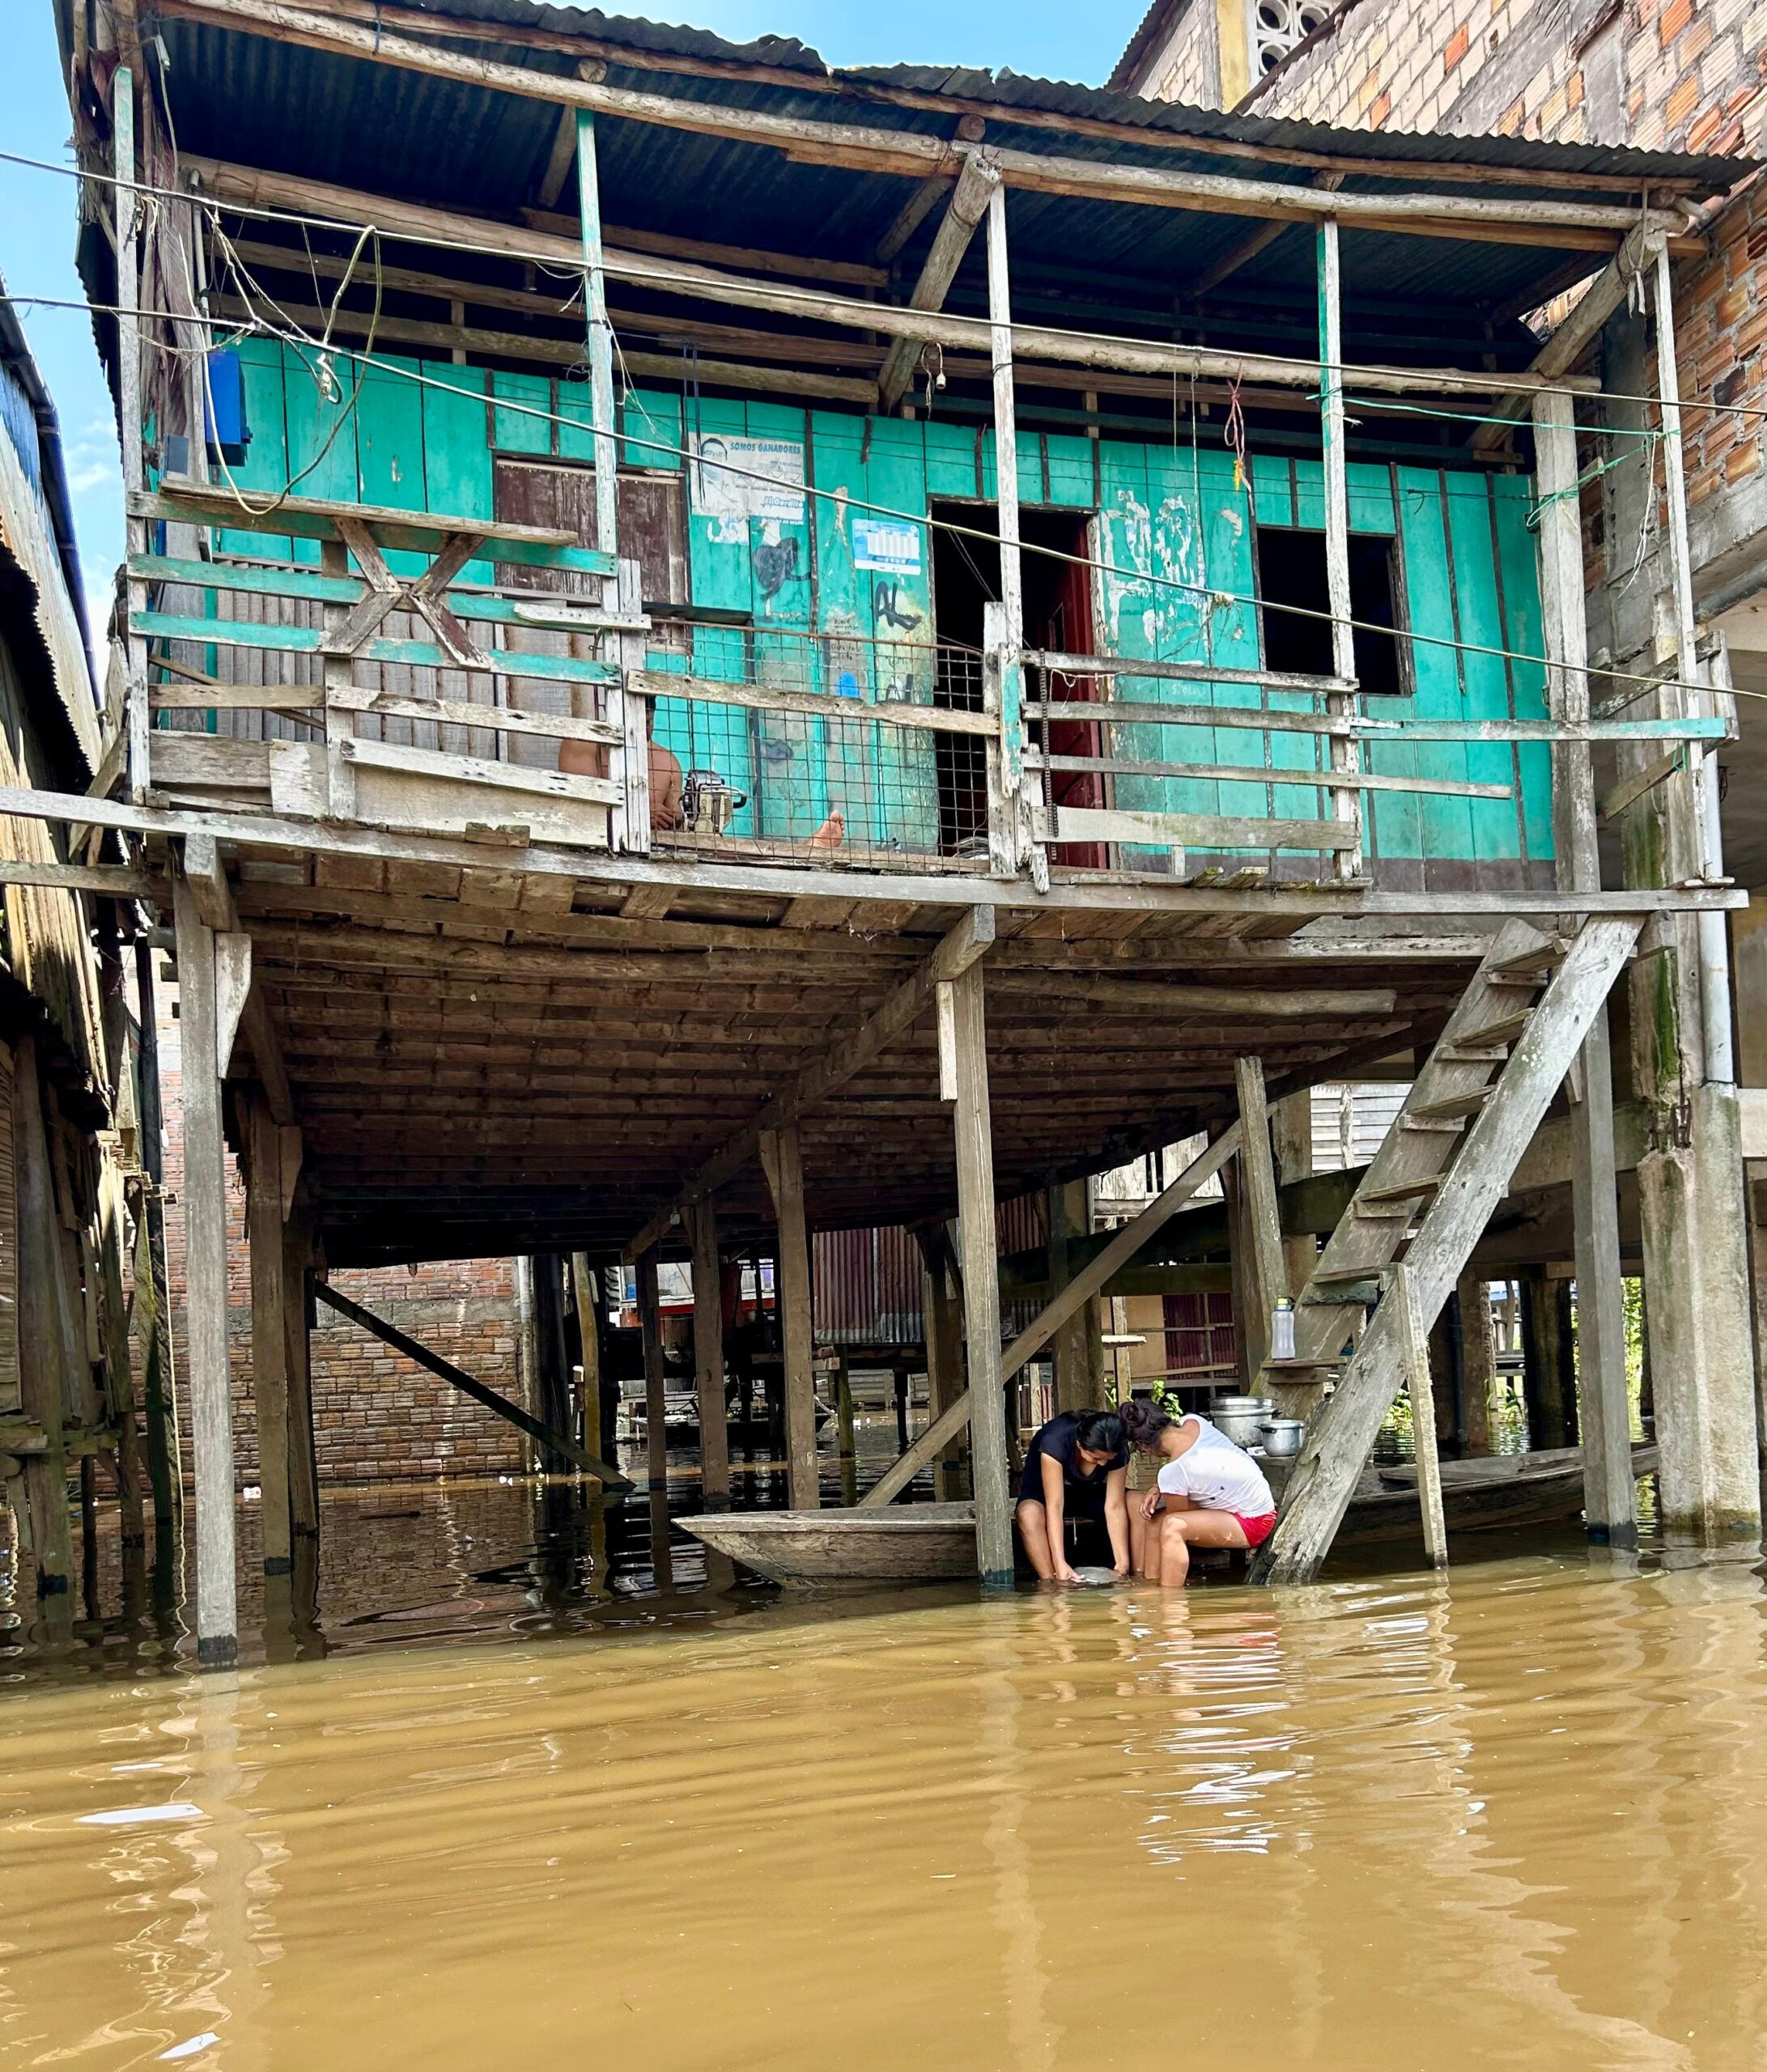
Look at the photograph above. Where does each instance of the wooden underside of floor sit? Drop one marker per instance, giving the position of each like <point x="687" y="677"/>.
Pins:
<point x="487" y="1061"/>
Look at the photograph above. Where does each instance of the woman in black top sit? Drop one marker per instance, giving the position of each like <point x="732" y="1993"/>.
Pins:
<point x="1076" y="1467"/>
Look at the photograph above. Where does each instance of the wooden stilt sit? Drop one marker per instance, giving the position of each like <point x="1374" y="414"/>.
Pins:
<point x="44" y="1358"/>
<point x="1548" y="1380"/>
<point x="586" y="1290"/>
<point x="1291" y="1138"/>
<point x="1260" y="1219"/>
<point x="159" y="1403"/>
<point x="1605" y="1412"/>
<point x="268" y="1244"/>
<point x="297" y="1331"/>
<point x="849" y="1452"/>
<point x="981" y="1282"/>
<point x="1422" y="1390"/>
<point x="709" y="1357"/>
<point x="940" y="1303"/>
<point x="1079" y="1370"/>
<point x="1478" y="1362"/>
<point x="650" y="1326"/>
<point x="204" y="1203"/>
<point x="782" y="1160"/>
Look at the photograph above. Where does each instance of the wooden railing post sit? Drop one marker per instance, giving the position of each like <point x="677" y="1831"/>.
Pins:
<point x="1009" y="843"/>
<point x="1346" y="803"/>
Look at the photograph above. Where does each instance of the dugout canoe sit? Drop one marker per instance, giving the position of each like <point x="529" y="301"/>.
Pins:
<point x="932" y="1543"/>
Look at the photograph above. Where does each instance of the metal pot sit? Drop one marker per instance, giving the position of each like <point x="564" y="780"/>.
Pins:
<point x="1282" y="1437"/>
<point x="1240" y="1418"/>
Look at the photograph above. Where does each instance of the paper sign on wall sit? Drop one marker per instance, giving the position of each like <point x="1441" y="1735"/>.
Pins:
<point x="735" y="477"/>
<point x="891" y="545"/>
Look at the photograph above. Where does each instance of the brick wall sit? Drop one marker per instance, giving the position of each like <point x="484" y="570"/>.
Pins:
<point x="376" y="1416"/>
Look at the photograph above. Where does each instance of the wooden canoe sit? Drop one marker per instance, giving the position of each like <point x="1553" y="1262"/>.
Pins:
<point x="931" y="1542"/>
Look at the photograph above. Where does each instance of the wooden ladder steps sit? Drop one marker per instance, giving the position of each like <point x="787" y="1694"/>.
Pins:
<point x="1537" y="964"/>
<point x="1493" y="1035"/>
<point x="1406" y="1191"/>
<point x="1453" y="1107"/>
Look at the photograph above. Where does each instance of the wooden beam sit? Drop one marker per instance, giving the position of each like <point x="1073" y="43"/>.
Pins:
<point x="970" y="940"/>
<point x="978" y="1244"/>
<point x="1227" y="1000"/>
<point x="414" y="1349"/>
<point x="913" y="212"/>
<point x="212" y="893"/>
<point x="563" y="157"/>
<point x="1085" y="1284"/>
<point x="782" y="1160"/>
<point x="1421" y="1388"/>
<point x="206" y="1310"/>
<point x="968" y="205"/>
<point x="1599" y="225"/>
<point x="793" y="266"/>
<point x="110" y="881"/>
<point x="708" y="1356"/>
<point x="248" y="187"/>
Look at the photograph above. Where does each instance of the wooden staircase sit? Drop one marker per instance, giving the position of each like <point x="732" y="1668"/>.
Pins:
<point x="1422" y="1206"/>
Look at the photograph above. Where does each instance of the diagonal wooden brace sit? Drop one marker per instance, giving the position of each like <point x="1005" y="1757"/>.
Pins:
<point x="386" y="592"/>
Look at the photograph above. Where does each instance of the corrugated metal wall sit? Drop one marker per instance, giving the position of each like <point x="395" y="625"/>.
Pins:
<point x="868" y="1282"/>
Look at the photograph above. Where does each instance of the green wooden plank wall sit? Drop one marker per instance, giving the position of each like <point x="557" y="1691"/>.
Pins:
<point x="835" y="611"/>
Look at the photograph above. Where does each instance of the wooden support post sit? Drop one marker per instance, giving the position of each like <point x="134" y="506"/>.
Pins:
<point x="1478" y="1362"/>
<point x="268" y="1243"/>
<point x="1004" y="638"/>
<point x="553" y="1370"/>
<point x="1078" y="1351"/>
<point x="1610" y="1493"/>
<point x="941" y="1304"/>
<point x="1291" y="1142"/>
<point x="981" y="1282"/>
<point x="297" y="1336"/>
<point x="601" y="346"/>
<point x="1260" y="1219"/>
<point x="126" y="205"/>
<point x="781" y="1161"/>
<point x="586" y="1290"/>
<point x="843" y="1418"/>
<point x="1345" y="803"/>
<point x="159" y="1410"/>
<point x="205" y="1332"/>
<point x="968" y="204"/>
<point x="709" y="1357"/>
<point x="650" y="1326"/>
<point x="1549" y="1368"/>
<point x="45" y="1359"/>
<point x="1422" y="1390"/>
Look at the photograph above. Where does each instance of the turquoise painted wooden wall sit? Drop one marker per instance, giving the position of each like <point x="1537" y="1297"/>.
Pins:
<point x="1174" y="537"/>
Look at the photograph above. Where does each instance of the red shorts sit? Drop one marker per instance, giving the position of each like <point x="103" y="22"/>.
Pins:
<point x="1257" y="1531"/>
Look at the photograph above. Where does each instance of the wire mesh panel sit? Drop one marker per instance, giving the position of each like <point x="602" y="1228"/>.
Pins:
<point x="819" y="744"/>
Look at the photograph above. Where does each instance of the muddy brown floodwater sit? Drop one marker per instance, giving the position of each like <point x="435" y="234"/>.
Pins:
<point x="1517" y="1818"/>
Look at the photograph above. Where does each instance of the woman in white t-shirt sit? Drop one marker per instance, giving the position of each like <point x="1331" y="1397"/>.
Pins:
<point x="1211" y="1493"/>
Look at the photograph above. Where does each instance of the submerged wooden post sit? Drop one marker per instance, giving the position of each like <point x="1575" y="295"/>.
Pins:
<point x="585" y="1287"/>
<point x="45" y="1356"/>
<point x="782" y="1159"/>
<point x="297" y="1336"/>
<point x="1548" y="1384"/>
<point x="1421" y="1387"/>
<point x="268" y="1244"/>
<point x="650" y="1326"/>
<point x="709" y="1357"/>
<point x="204" y="1203"/>
<point x="1478" y="1361"/>
<point x="981" y="1281"/>
<point x="943" y="1325"/>
<point x="1610" y="1496"/>
<point x="1345" y="805"/>
<point x="159" y="1411"/>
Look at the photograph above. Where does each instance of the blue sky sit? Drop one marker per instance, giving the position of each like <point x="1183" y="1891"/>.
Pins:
<point x="1054" y="38"/>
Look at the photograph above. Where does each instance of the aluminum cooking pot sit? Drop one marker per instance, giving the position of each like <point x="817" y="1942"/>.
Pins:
<point x="1240" y="1418"/>
<point x="1282" y="1437"/>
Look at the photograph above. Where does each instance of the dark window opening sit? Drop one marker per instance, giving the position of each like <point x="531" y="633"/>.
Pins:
<point x="1291" y="572"/>
<point x="1058" y="618"/>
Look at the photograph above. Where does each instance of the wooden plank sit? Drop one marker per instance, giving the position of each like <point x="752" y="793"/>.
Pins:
<point x="783" y="1162"/>
<point x="432" y="1362"/>
<point x="206" y="1312"/>
<point x="1181" y="670"/>
<point x="708" y="1356"/>
<point x="511" y="663"/>
<point x="977" y="1245"/>
<point x="197" y="500"/>
<point x="1192" y="831"/>
<point x="1314" y="779"/>
<point x="112" y="880"/>
<point x="267" y="1242"/>
<point x="971" y="939"/>
<point x="494" y="719"/>
<point x="816" y="705"/>
<point x="480" y="770"/>
<point x="1231" y="1001"/>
